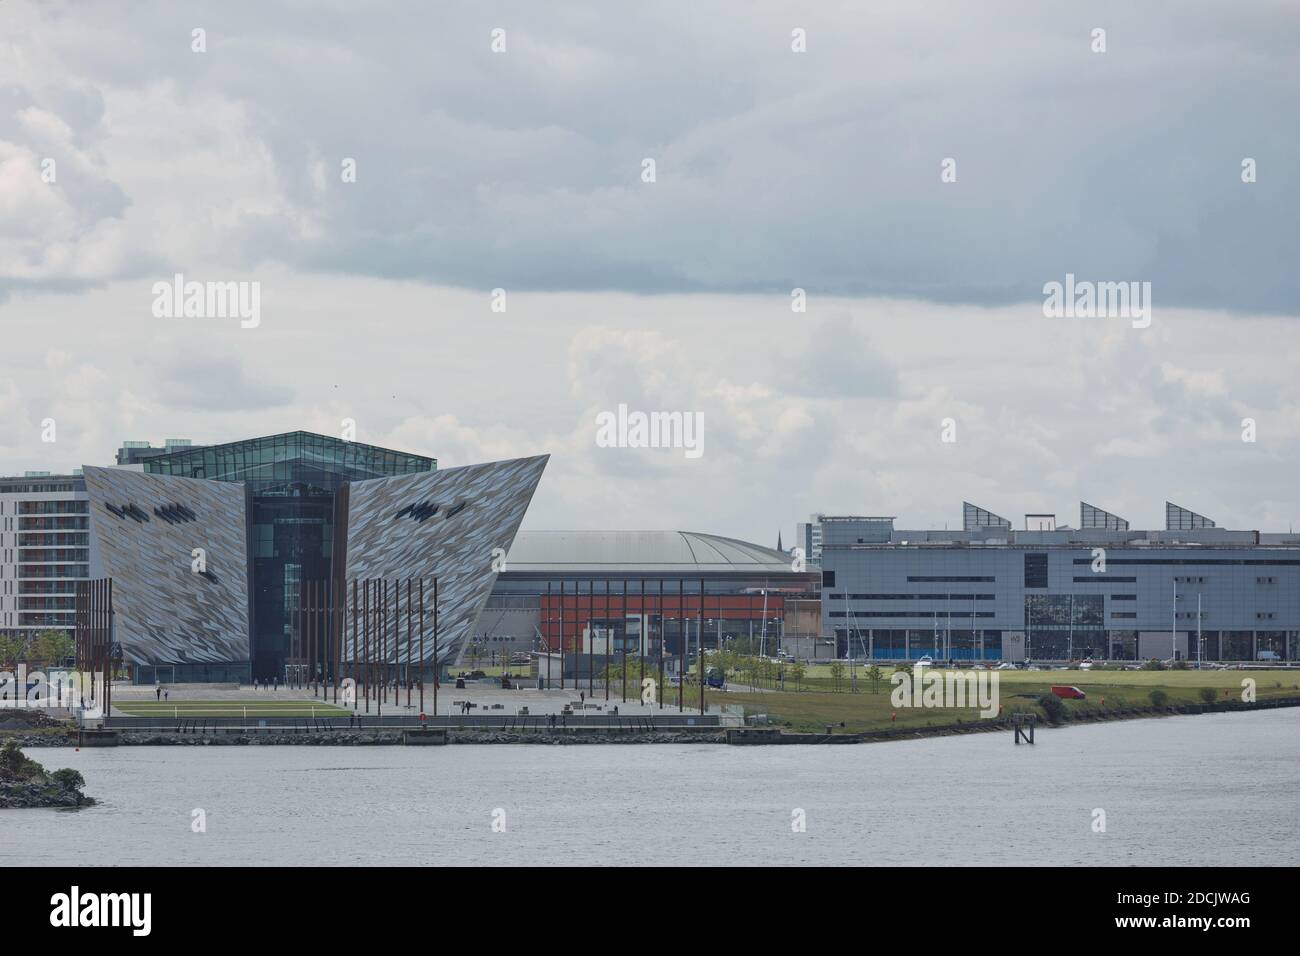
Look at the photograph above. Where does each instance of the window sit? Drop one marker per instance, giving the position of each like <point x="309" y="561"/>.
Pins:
<point x="1035" y="570"/>
<point x="828" y="579"/>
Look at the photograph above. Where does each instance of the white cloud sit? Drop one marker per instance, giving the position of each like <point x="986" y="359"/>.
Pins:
<point x="435" y="372"/>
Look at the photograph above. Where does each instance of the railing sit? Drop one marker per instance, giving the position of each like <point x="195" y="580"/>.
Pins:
<point x="507" y="722"/>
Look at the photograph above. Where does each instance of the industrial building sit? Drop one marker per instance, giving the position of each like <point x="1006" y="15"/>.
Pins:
<point x="1050" y="592"/>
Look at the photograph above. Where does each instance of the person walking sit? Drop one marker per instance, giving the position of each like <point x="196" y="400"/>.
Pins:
<point x="157" y="692"/>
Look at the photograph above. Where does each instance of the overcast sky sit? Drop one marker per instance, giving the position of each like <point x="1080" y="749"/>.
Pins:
<point x="522" y="170"/>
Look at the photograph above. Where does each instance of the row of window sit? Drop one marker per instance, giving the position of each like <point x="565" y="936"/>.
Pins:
<point x="912" y="597"/>
<point x="950" y="579"/>
<point x="1267" y="562"/>
<point x="67" y="523"/>
<point x="46" y="571"/>
<point x="937" y="614"/>
<point x="53" y="507"/>
<point x="54" y="539"/>
<point x="56" y="555"/>
<point x="129" y="510"/>
<point x="424" y="510"/>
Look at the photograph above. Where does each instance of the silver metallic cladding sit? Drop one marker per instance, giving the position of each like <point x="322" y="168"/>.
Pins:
<point x="165" y="613"/>
<point x="457" y="549"/>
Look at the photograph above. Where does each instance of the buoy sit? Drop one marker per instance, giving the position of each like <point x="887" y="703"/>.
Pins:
<point x="894" y="716"/>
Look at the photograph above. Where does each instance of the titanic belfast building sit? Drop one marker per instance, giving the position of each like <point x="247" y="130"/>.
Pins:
<point x="211" y="548"/>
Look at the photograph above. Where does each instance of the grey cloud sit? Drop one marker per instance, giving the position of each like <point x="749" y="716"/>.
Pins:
<point x="819" y="170"/>
<point x="216" y="383"/>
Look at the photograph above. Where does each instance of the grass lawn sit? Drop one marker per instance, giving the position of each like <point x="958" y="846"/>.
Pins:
<point x="227" y="708"/>
<point x="817" y="705"/>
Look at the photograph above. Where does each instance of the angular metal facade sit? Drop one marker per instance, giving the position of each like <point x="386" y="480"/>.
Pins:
<point x="146" y="528"/>
<point x="456" y="524"/>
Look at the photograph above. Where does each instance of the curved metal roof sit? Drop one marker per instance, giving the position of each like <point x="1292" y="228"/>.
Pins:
<point x="640" y="552"/>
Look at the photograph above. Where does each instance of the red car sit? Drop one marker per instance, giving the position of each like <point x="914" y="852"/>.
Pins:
<point x="1069" y="693"/>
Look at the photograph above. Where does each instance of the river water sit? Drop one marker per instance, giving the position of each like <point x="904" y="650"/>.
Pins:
<point x="1205" y="790"/>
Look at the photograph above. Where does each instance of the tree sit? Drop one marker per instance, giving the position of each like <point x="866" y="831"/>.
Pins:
<point x="837" y="673"/>
<point x="13" y="648"/>
<point x="796" y="673"/>
<point x="874" y="674"/>
<point x="51" y="647"/>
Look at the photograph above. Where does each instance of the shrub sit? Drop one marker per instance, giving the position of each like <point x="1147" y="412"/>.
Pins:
<point x="1178" y="666"/>
<point x="1153" y="665"/>
<point x="11" y="758"/>
<point x="15" y="763"/>
<point x="68" y="779"/>
<point x="1159" y="699"/>
<point x="1053" y="707"/>
<point x="1207" y="695"/>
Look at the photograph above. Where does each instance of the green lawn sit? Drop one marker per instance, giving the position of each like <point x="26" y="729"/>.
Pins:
<point x="227" y="708"/>
<point x="814" y="707"/>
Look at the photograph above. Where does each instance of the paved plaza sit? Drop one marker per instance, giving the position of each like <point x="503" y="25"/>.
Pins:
<point x="488" y="697"/>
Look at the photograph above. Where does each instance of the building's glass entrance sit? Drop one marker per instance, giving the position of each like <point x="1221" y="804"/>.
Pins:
<point x="291" y="482"/>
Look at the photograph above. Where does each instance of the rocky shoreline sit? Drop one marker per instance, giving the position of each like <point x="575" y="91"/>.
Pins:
<point x="32" y="795"/>
<point x="582" y="736"/>
<point x="355" y="738"/>
<point x="25" y="784"/>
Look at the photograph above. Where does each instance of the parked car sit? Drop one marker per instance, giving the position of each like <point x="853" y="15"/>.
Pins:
<point x="1068" y="693"/>
<point x="1268" y="656"/>
<point x="1006" y="666"/>
<point x="924" y="661"/>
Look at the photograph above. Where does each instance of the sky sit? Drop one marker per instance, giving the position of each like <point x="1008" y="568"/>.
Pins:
<point x="920" y="171"/>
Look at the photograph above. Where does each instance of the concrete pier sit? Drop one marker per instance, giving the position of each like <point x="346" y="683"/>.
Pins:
<point x="425" y="737"/>
<point x="97" y="738"/>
